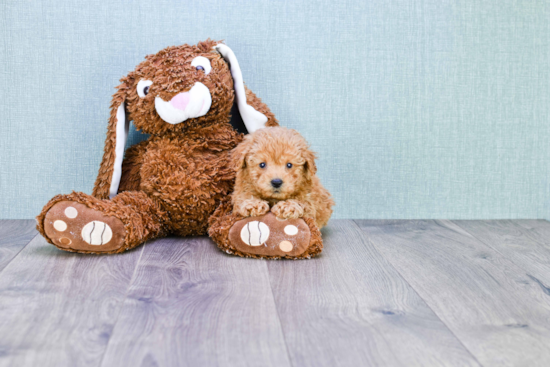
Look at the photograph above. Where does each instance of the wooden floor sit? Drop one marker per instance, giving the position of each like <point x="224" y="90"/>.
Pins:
<point x="383" y="293"/>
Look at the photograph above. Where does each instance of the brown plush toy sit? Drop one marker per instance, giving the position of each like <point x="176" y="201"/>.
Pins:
<point x="179" y="180"/>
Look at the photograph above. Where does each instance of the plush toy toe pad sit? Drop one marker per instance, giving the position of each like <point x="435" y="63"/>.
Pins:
<point x="75" y="227"/>
<point x="269" y="236"/>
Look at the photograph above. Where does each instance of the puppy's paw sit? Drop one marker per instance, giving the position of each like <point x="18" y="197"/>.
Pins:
<point x="252" y="208"/>
<point x="288" y="209"/>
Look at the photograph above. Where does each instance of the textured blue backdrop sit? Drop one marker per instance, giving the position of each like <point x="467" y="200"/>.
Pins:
<point x="418" y="109"/>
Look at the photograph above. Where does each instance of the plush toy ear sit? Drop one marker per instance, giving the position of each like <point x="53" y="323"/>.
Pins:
<point x="253" y="119"/>
<point x="110" y="171"/>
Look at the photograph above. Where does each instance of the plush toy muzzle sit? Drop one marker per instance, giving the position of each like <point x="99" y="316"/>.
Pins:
<point x="194" y="103"/>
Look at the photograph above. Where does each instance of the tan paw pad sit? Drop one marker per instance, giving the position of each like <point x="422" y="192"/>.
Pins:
<point x="97" y="233"/>
<point x="255" y="233"/>
<point x="59" y="225"/>
<point x="65" y="241"/>
<point x="291" y="230"/>
<point x="71" y="212"/>
<point x="286" y="246"/>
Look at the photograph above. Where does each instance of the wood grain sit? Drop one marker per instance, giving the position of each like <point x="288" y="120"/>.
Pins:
<point x="349" y="307"/>
<point x="14" y="235"/>
<point x="59" y="308"/>
<point x="491" y="304"/>
<point x="191" y="305"/>
<point x="525" y="242"/>
<point x="388" y="293"/>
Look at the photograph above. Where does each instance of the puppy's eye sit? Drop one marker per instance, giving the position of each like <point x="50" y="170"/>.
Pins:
<point x="143" y="87"/>
<point x="262" y="165"/>
<point x="202" y="63"/>
<point x="289" y="165"/>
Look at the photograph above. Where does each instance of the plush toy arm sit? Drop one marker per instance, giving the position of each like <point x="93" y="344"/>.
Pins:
<point x="259" y="106"/>
<point x="131" y="166"/>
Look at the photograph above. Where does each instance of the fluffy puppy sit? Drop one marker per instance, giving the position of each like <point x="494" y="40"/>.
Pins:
<point x="276" y="169"/>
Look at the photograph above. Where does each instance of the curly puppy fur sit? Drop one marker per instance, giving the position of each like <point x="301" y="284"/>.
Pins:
<point x="174" y="181"/>
<point x="276" y="169"/>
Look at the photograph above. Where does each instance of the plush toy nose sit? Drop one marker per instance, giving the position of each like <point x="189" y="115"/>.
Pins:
<point x="181" y="100"/>
<point x="276" y="182"/>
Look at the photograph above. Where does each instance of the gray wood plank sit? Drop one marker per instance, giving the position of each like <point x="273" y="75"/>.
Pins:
<point x="14" y="235"/>
<point x="524" y="242"/>
<point x="191" y="305"/>
<point x="491" y="305"/>
<point x="59" y="308"/>
<point x="350" y="307"/>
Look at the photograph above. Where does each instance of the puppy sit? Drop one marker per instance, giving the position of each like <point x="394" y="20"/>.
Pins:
<point x="276" y="169"/>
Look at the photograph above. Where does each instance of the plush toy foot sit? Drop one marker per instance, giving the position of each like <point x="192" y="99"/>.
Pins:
<point x="268" y="236"/>
<point x="264" y="236"/>
<point x="72" y="226"/>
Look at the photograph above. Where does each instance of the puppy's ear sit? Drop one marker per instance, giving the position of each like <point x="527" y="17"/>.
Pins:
<point x="254" y="113"/>
<point x="310" y="166"/>
<point x="238" y="155"/>
<point x="110" y="170"/>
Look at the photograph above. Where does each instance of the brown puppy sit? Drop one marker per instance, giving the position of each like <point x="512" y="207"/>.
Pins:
<point x="276" y="169"/>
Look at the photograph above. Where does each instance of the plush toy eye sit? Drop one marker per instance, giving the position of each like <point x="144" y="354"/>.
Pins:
<point x="289" y="165"/>
<point x="202" y="63"/>
<point x="262" y="165"/>
<point x="143" y="87"/>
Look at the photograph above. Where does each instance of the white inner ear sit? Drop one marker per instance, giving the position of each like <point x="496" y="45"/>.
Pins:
<point x="122" y="127"/>
<point x="253" y="120"/>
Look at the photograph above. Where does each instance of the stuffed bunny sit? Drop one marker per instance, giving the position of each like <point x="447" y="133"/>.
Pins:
<point x="179" y="180"/>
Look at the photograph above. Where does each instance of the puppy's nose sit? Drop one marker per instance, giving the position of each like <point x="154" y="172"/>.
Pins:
<point x="276" y="182"/>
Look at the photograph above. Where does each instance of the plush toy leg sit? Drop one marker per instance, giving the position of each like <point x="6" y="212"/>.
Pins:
<point x="265" y="236"/>
<point x="82" y="223"/>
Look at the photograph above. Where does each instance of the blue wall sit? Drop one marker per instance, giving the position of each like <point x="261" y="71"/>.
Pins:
<point x="418" y="109"/>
